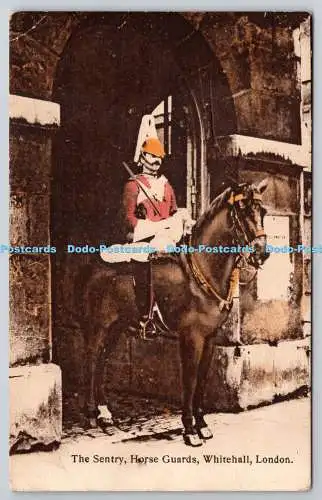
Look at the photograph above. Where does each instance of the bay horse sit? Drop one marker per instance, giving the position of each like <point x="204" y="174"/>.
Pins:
<point x="193" y="293"/>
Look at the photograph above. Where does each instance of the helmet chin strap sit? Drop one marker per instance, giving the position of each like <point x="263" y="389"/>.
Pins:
<point x="147" y="165"/>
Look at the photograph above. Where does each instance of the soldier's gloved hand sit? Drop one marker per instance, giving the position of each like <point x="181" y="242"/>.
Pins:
<point x="188" y="225"/>
<point x="185" y="219"/>
<point x="129" y="237"/>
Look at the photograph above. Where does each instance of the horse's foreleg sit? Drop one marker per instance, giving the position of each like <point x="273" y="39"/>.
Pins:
<point x="198" y="402"/>
<point x="191" y="346"/>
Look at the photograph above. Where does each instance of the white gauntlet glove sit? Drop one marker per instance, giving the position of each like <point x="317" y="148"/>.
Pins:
<point x="187" y="221"/>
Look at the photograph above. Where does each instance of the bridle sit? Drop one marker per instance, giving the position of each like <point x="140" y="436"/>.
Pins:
<point x="240" y="233"/>
<point x="238" y="229"/>
<point x="238" y="225"/>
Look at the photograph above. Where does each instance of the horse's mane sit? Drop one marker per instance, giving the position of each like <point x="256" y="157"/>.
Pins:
<point x="215" y="206"/>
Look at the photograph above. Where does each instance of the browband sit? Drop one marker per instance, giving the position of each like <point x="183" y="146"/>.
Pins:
<point x="238" y="197"/>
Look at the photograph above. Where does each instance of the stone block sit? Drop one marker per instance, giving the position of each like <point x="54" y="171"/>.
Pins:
<point x="236" y="67"/>
<point x="292" y="366"/>
<point x="223" y="36"/>
<point x="270" y="321"/>
<point x="258" y="374"/>
<point x="35" y="406"/>
<point x="32" y="68"/>
<point x="29" y="309"/>
<point x="240" y="31"/>
<point x="268" y="115"/>
<point x="273" y="70"/>
<point x="30" y="161"/>
<point x="52" y="31"/>
<point x="29" y="220"/>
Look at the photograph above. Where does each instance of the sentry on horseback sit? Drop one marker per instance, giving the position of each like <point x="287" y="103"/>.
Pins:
<point x="187" y="294"/>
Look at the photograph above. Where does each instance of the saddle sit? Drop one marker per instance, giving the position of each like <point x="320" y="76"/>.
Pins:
<point x="150" y="324"/>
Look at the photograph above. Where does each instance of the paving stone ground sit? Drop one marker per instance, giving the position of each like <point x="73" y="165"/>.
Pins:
<point x="130" y="414"/>
<point x="279" y="430"/>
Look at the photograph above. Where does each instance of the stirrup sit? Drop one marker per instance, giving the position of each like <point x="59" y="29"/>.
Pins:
<point x="148" y="330"/>
<point x="144" y="329"/>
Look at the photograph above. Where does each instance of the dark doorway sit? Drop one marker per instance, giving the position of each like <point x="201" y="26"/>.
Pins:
<point x="107" y="79"/>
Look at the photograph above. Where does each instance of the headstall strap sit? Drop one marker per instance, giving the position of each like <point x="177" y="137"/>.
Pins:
<point x="232" y="200"/>
<point x="260" y="233"/>
<point x="234" y="279"/>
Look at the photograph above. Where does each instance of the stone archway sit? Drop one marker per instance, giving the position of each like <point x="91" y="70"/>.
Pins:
<point x="113" y="71"/>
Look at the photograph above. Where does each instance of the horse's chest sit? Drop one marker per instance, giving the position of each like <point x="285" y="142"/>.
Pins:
<point x="212" y="316"/>
<point x="204" y="316"/>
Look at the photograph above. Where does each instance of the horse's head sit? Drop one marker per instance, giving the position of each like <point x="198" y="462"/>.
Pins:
<point x="248" y="212"/>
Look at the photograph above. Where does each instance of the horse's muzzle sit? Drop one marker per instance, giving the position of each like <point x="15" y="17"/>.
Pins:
<point x="260" y="254"/>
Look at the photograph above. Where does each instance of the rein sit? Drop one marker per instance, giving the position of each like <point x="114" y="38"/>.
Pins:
<point x="208" y="288"/>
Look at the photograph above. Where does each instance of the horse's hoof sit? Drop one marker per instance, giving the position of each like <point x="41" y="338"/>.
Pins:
<point x="192" y="440"/>
<point x="92" y="423"/>
<point x="205" y="433"/>
<point x="105" y="424"/>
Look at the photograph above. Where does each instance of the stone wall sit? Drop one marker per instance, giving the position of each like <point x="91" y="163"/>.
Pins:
<point x="30" y="309"/>
<point x="257" y="55"/>
<point x="245" y="80"/>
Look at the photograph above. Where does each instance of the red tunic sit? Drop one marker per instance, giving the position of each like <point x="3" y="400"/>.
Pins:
<point x="167" y="206"/>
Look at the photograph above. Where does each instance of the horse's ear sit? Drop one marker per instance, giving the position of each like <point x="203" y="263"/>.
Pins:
<point x="229" y="195"/>
<point x="262" y="185"/>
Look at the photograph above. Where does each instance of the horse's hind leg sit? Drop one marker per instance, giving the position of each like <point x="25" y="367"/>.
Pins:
<point x="93" y="352"/>
<point x="111" y="337"/>
<point x="198" y="402"/>
<point x="191" y="352"/>
<point x="104" y="416"/>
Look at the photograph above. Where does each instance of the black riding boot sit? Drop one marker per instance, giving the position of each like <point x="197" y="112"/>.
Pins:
<point x="142" y="274"/>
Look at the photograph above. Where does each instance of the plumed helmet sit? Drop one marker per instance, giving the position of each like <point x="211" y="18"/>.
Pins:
<point x="154" y="147"/>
